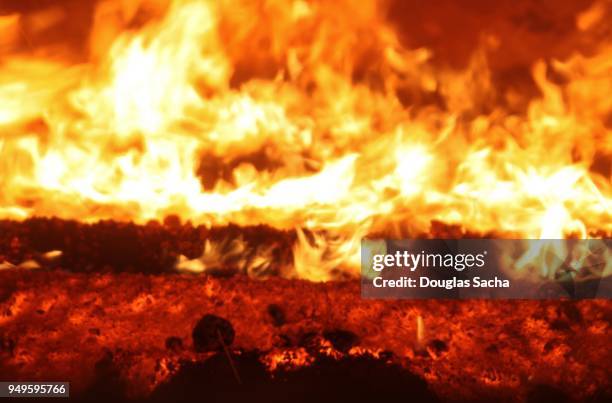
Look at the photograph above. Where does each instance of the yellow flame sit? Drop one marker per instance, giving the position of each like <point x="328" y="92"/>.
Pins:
<point x="288" y="113"/>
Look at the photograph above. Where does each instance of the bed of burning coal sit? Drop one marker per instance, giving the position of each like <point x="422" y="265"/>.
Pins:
<point x="111" y="316"/>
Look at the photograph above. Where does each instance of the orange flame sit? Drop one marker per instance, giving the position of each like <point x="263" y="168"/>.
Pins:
<point x="288" y="113"/>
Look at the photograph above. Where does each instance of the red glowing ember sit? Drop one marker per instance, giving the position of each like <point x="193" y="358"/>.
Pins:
<point x="184" y="186"/>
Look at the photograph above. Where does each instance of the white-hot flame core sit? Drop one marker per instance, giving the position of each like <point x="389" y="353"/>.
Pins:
<point x="124" y="136"/>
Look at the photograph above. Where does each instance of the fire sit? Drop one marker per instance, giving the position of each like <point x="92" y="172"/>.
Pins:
<point x="290" y="114"/>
